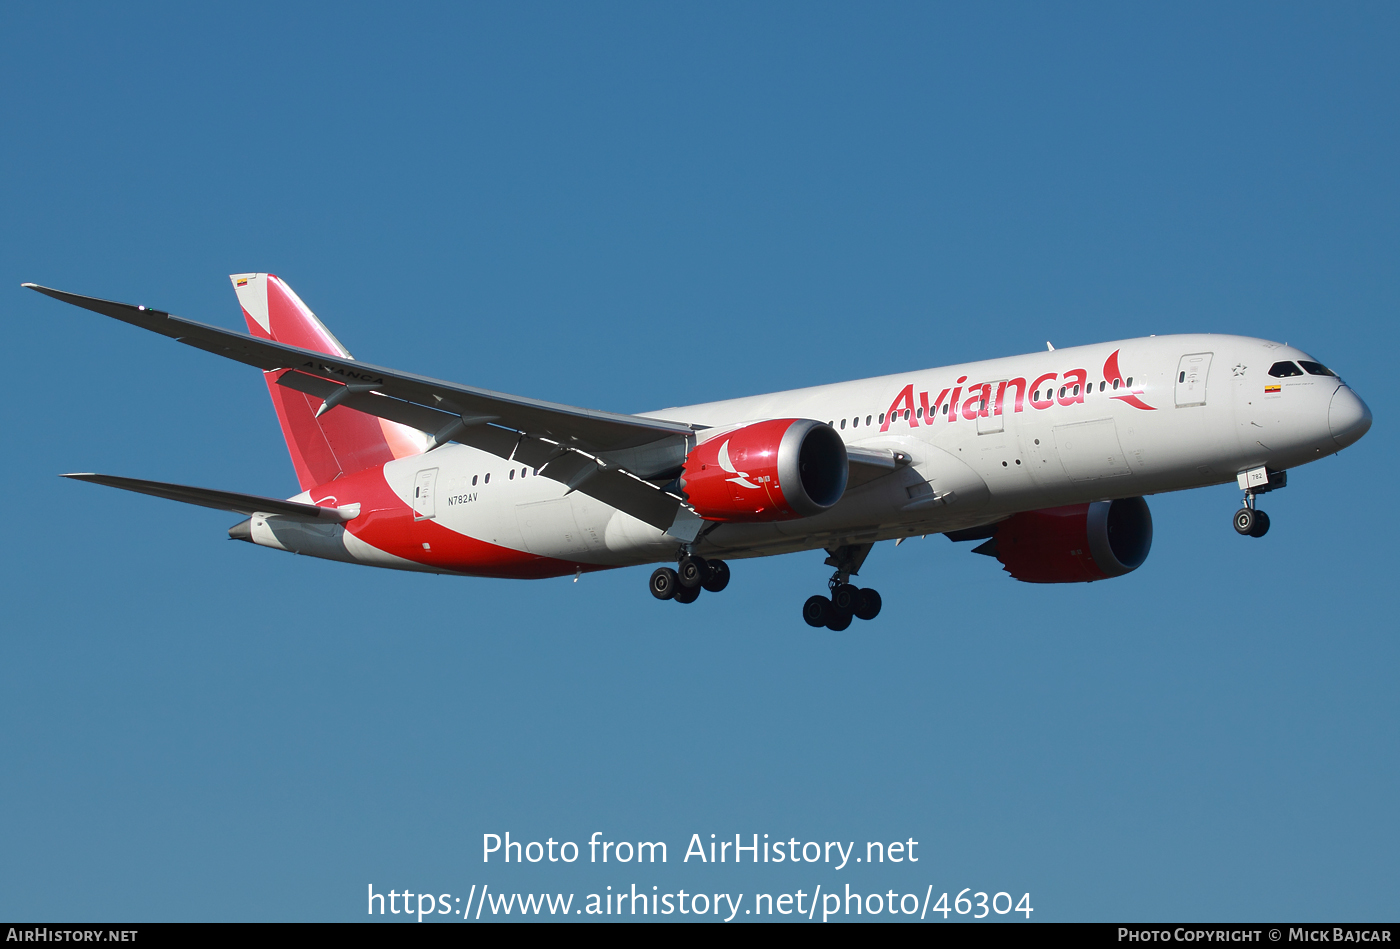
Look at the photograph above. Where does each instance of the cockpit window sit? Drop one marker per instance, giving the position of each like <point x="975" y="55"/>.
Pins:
<point x="1315" y="368"/>
<point x="1282" y="370"/>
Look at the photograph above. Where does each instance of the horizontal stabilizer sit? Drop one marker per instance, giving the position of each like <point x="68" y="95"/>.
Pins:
<point x="246" y="504"/>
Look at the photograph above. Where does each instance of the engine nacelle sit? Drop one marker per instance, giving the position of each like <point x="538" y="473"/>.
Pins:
<point x="768" y="471"/>
<point x="1079" y="543"/>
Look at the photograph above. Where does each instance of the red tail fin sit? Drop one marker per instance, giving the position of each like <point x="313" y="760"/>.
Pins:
<point x="342" y="441"/>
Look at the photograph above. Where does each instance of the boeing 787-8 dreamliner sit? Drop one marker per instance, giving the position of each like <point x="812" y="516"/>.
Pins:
<point x="1044" y="458"/>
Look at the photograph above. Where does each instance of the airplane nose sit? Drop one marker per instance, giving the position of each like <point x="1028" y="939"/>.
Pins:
<point x="1348" y="417"/>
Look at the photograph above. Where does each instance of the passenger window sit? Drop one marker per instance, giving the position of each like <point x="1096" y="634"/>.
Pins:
<point x="945" y="412"/>
<point x="488" y="478"/>
<point x="1182" y="377"/>
<point x="1130" y="382"/>
<point x="882" y="418"/>
<point x="1282" y="370"/>
<point x="1115" y="383"/>
<point x="473" y="480"/>
<point x="867" y="420"/>
<point x="512" y="474"/>
<point x="843" y="424"/>
<point x="1101" y="385"/>
<point x="1315" y="368"/>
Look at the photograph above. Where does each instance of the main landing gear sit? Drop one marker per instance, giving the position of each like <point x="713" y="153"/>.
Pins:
<point x="847" y="601"/>
<point x="692" y="574"/>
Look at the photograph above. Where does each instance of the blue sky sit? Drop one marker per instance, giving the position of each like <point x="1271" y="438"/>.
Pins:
<point x="632" y="206"/>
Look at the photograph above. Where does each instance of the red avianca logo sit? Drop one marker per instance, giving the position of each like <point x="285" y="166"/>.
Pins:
<point x="985" y="399"/>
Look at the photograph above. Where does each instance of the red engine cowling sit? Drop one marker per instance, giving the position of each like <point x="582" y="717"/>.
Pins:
<point x="768" y="471"/>
<point x="1076" y="544"/>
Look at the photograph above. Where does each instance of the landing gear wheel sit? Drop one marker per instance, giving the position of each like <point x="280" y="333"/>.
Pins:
<point x="838" y="621"/>
<point x="1245" y="520"/>
<point x="845" y="598"/>
<point x="869" y="604"/>
<point x="687" y="595"/>
<point x="816" y="611"/>
<point x="1261" y="524"/>
<point x="692" y="572"/>
<point x="664" y="583"/>
<point x="718" y="577"/>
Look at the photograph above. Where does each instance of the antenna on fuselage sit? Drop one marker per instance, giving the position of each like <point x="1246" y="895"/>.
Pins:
<point x="1048" y="347"/>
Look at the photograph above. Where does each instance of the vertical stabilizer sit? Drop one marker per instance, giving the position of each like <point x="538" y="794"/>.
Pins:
<point x="342" y="441"/>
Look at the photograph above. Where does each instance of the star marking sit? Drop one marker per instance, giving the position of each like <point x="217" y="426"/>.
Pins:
<point x="1240" y="368"/>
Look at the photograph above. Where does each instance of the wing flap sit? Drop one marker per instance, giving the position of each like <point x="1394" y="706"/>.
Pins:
<point x="580" y="471"/>
<point x="497" y="441"/>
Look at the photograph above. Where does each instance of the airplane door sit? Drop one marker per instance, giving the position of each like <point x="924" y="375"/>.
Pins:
<point x="423" y="486"/>
<point x="1091" y="450"/>
<point x="993" y="421"/>
<point x="1191" y="375"/>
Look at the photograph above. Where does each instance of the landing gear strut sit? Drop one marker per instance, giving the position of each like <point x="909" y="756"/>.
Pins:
<point x="692" y="574"/>
<point x="847" y="601"/>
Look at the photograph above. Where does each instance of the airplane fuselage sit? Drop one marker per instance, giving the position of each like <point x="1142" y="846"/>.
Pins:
<point x="981" y="441"/>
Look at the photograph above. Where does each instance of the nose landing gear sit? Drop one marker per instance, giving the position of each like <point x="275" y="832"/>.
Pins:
<point x="1249" y="520"/>
<point x="1251" y="523"/>
<point x="847" y="601"/>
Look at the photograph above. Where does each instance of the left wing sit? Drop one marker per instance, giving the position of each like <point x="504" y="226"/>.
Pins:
<point x="606" y="455"/>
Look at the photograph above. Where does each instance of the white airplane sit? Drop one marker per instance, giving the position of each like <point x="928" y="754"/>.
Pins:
<point x="1044" y="457"/>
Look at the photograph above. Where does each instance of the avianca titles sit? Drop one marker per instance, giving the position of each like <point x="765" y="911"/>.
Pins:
<point x="1044" y="458"/>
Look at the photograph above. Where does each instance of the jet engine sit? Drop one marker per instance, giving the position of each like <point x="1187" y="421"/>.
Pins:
<point x="1079" y="543"/>
<point x="768" y="471"/>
